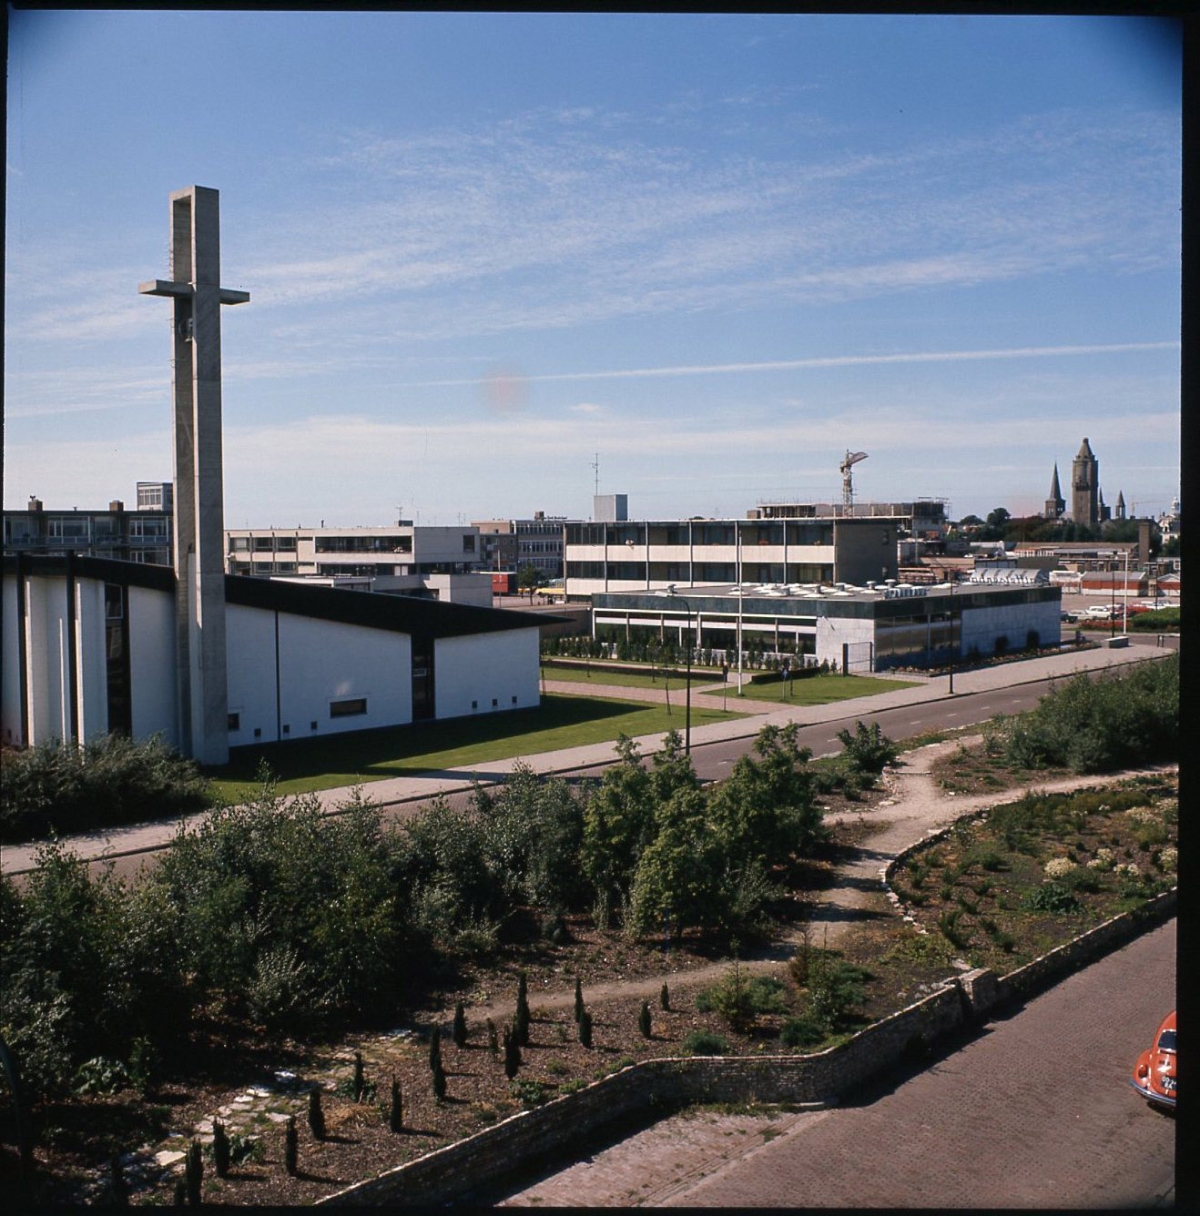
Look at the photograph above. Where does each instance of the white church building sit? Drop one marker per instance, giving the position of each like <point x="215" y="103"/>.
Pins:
<point x="89" y="647"/>
<point x="212" y="661"/>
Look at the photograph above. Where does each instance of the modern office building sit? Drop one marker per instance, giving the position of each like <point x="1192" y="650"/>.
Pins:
<point x="853" y="628"/>
<point x="512" y="544"/>
<point x="400" y="549"/>
<point x="144" y="535"/>
<point x="648" y="555"/>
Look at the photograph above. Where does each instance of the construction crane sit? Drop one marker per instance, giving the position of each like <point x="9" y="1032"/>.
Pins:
<point x="852" y="458"/>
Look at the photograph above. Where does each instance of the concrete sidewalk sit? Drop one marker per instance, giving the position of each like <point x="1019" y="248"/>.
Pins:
<point x="396" y="791"/>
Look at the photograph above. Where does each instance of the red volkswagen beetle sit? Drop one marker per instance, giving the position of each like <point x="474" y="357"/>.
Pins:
<point x="1154" y="1074"/>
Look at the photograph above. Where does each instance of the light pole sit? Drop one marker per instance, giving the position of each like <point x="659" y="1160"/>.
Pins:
<point x="952" y="637"/>
<point x="687" y="713"/>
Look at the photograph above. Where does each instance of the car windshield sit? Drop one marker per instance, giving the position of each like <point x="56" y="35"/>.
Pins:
<point x="1166" y="1041"/>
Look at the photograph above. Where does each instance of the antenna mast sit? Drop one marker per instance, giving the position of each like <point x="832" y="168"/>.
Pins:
<point x="596" y="470"/>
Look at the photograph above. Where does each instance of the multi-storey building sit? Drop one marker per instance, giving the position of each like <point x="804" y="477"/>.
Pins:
<point x="399" y="549"/>
<point x="924" y="518"/>
<point x="646" y="555"/>
<point x="143" y="535"/>
<point x="512" y="544"/>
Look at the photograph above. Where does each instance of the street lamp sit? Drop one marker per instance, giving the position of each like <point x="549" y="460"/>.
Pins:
<point x="687" y="713"/>
<point x="952" y="637"/>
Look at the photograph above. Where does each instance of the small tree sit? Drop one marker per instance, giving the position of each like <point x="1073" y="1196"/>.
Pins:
<point x="644" y="1022"/>
<point x="220" y="1148"/>
<point x="396" y="1108"/>
<point x="578" y="999"/>
<point x="439" y="1081"/>
<point x="493" y="1039"/>
<point x="512" y="1054"/>
<point x="460" y="1025"/>
<point x="529" y="579"/>
<point x="435" y="1049"/>
<point x="664" y="997"/>
<point x="316" y="1116"/>
<point x="193" y="1168"/>
<point x="521" y="1022"/>
<point x="360" y="1082"/>
<point x="291" y="1147"/>
<point x="585" y="1028"/>
<point x="118" y="1188"/>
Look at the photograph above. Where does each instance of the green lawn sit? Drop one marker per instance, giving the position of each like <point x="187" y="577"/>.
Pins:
<point x="812" y="690"/>
<point x="365" y="756"/>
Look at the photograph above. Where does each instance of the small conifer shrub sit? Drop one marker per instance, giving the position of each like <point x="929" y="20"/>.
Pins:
<point x="644" y="1023"/>
<point x="585" y="1028"/>
<point x="664" y="997"/>
<point x="193" y="1168"/>
<point x="460" y="1025"/>
<point x="360" y="1081"/>
<point x="578" y="999"/>
<point x="316" y="1116"/>
<point x="291" y="1147"/>
<point x="396" y="1109"/>
<point x="220" y="1148"/>
<point x="512" y="1054"/>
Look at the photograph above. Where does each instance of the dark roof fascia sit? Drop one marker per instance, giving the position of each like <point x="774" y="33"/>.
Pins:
<point x="397" y="613"/>
<point x="107" y="569"/>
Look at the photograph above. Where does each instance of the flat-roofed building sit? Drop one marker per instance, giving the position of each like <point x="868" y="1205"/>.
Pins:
<point x="645" y="555"/>
<point x="852" y="628"/>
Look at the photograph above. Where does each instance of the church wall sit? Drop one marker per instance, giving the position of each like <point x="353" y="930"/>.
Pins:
<point x="152" y="664"/>
<point x="323" y="665"/>
<point x="46" y="651"/>
<point x="90" y="659"/>
<point x="250" y="668"/>
<point x="10" y="662"/>
<point x="473" y="671"/>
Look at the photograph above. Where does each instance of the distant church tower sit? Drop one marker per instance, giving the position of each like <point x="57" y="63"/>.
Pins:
<point x="1055" y="504"/>
<point x="1120" y="504"/>
<point x="1085" y="487"/>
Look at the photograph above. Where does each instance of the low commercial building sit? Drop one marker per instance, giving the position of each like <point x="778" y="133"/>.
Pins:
<point x="853" y="628"/>
<point x="90" y="645"/>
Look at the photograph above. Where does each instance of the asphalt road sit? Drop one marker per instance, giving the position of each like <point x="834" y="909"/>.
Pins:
<point x="1032" y="1111"/>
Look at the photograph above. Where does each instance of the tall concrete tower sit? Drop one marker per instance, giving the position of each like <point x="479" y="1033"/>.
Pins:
<point x="194" y="287"/>
<point x="1085" y="487"/>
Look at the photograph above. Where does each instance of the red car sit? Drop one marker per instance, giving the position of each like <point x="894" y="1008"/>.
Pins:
<point x="1154" y="1074"/>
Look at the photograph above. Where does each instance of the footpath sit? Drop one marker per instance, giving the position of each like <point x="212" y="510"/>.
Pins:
<point x="398" y="791"/>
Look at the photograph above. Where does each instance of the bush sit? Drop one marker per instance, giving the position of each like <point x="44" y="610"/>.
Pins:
<point x="739" y="1000"/>
<point x="868" y="751"/>
<point x="704" y="1043"/>
<point x="63" y="789"/>
<point x="1052" y="897"/>
<point x="801" y="1032"/>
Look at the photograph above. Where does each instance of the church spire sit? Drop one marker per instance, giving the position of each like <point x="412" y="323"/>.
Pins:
<point x="1055" y="504"/>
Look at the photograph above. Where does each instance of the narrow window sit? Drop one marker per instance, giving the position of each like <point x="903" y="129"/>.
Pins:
<point x="348" y="708"/>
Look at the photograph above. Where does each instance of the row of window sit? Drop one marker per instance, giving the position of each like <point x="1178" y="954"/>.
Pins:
<point x="349" y="707"/>
<point x="702" y="572"/>
<point x="791" y="532"/>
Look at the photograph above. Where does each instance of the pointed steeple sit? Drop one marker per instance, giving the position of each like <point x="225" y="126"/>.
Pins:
<point x="1055" y="504"/>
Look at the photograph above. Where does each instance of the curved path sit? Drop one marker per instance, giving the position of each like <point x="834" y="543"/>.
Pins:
<point x="914" y="807"/>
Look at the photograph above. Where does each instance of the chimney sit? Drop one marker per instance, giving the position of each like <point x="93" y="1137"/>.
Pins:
<point x="35" y="504"/>
<point x="116" y="505"/>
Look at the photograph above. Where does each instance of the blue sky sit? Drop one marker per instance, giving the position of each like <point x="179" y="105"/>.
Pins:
<point x="708" y="254"/>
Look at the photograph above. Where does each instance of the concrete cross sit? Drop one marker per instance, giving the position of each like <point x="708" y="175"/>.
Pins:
<point x="194" y="287"/>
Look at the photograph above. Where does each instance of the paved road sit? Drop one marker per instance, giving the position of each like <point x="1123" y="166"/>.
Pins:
<point x="901" y="713"/>
<point x="1033" y="1112"/>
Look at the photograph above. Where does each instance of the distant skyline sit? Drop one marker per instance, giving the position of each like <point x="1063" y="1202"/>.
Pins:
<point x="495" y="259"/>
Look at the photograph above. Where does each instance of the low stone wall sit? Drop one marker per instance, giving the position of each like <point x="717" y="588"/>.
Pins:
<point x="667" y="1084"/>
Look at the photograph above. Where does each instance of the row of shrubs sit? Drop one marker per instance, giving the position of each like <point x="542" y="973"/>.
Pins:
<point x="111" y="780"/>
<point x="1096" y="724"/>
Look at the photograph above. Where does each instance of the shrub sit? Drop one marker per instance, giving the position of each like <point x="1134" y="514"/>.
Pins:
<point x="644" y="1021"/>
<point x="66" y="789"/>
<point x="316" y="1116"/>
<point x="664" y="997"/>
<point x="585" y="1028"/>
<point x="512" y="1054"/>
<point x="291" y="1147"/>
<point x="1052" y="897"/>
<point x="1058" y="867"/>
<point x="459" y="1032"/>
<point x="868" y="751"/>
<point x="801" y="1032"/>
<point x="704" y="1043"/>
<point x="220" y="1148"/>
<point x="396" y="1108"/>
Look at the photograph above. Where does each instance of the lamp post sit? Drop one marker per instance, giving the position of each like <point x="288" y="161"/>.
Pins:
<point x="952" y="637"/>
<point x="687" y="713"/>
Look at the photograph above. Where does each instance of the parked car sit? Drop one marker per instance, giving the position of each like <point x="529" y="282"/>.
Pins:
<point x="1154" y="1073"/>
<point x="1099" y="612"/>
